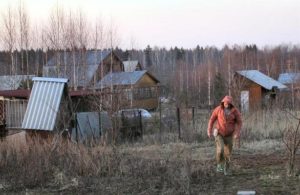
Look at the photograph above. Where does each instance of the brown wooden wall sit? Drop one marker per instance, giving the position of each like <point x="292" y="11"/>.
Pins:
<point x="255" y="94"/>
<point x="145" y="94"/>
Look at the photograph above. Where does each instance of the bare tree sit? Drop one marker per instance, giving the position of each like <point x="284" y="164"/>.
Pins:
<point x="83" y="39"/>
<point x="9" y="35"/>
<point x="71" y="43"/>
<point x="55" y="33"/>
<point x="24" y="36"/>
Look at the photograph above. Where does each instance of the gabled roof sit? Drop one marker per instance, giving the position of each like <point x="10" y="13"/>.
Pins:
<point x="86" y="65"/>
<point x="123" y="78"/>
<point x="44" y="102"/>
<point x="13" y="82"/>
<point x="88" y="57"/>
<point x="130" y="66"/>
<point x="261" y="79"/>
<point x="289" y="78"/>
<point x="83" y="74"/>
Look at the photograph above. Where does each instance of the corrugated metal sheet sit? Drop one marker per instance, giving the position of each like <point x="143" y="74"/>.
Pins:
<point x="261" y="79"/>
<point x="13" y="82"/>
<point x="43" y="105"/>
<point x="121" y="78"/>
<point x="130" y="66"/>
<point x="86" y="65"/>
<point x="89" y="127"/>
<point x="289" y="78"/>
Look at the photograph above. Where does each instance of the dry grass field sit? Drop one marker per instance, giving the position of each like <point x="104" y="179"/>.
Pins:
<point x="149" y="166"/>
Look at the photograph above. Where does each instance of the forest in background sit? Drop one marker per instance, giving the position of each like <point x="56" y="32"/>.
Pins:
<point x="188" y="75"/>
<point x="192" y="76"/>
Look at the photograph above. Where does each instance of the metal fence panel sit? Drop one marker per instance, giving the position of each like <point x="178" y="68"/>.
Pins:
<point x="14" y="113"/>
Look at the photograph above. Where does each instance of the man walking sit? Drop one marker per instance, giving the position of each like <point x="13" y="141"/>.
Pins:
<point x="227" y="128"/>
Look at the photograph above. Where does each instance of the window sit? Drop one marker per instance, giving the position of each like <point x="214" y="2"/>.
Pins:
<point x="128" y="94"/>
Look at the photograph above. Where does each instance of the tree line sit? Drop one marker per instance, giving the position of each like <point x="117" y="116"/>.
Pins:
<point x="200" y="75"/>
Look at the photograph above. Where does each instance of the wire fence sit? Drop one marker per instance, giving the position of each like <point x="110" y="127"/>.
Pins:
<point x="184" y="124"/>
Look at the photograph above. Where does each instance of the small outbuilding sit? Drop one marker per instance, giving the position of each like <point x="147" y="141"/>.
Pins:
<point x="256" y="89"/>
<point x="49" y="106"/>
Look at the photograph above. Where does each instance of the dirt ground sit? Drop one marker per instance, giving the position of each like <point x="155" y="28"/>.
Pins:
<point x="182" y="168"/>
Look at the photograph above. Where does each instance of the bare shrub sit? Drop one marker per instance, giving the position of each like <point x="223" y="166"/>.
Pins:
<point x="291" y="140"/>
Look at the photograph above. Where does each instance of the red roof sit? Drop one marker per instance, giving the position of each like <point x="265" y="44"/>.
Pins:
<point x="18" y="93"/>
<point x="24" y="93"/>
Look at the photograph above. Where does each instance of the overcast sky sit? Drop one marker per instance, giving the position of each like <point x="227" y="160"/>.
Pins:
<point x="186" y="23"/>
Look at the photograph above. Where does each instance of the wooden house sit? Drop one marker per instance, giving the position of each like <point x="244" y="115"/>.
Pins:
<point x="137" y="89"/>
<point x="256" y="89"/>
<point x="83" y="68"/>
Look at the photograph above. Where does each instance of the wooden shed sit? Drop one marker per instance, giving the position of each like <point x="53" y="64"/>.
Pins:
<point x="49" y="106"/>
<point x="256" y="89"/>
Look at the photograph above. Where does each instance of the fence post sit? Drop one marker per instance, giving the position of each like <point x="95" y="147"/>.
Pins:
<point x="76" y="127"/>
<point x="178" y="122"/>
<point x="160" y="120"/>
<point x="193" y="115"/>
<point x="100" y="124"/>
<point x="141" y="124"/>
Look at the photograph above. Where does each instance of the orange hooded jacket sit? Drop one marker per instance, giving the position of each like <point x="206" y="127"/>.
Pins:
<point x="226" y="125"/>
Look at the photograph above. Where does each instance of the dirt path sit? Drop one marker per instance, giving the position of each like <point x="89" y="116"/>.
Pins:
<point x="263" y="173"/>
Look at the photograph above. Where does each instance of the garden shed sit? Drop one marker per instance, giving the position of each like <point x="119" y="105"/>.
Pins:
<point x="256" y="89"/>
<point x="49" y="106"/>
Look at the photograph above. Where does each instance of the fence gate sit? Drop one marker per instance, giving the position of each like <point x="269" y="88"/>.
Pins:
<point x="14" y="113"/>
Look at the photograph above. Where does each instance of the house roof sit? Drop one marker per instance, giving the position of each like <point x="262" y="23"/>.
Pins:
<point x="130" y="66"/>
<point x="85" y="67"/>
<point x="18" y="93"/>
<point x="13" y="82"/>
<point x="289" y="78"/>
<point x="44" y="102"/>
<point x="261" y="79"/>
<point x="123" y="78"/>
<point x="89" y="57"/>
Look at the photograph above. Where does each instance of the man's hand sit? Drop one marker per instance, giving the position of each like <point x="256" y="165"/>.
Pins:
<point x="208" y="134"/>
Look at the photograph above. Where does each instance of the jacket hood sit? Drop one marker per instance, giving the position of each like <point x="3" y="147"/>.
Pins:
<point x="227" y="99"/>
